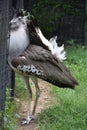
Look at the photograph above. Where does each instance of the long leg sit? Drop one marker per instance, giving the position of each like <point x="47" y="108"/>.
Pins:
<point x="29" y="92"/>
<point x="35" y="80"/>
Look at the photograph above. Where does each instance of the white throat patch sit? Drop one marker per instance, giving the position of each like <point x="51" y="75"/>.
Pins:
<point x="18" y="41"/>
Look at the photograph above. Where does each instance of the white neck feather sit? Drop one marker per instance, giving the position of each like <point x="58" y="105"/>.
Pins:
<point x="19" y="41"/>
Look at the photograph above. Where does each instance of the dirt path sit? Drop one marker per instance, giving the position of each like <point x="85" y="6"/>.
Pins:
<point x="44" y="102"/>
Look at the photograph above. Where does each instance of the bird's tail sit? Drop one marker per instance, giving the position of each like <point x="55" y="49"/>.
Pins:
<point x="52" y="45"/>
<point x="58" y="51"/>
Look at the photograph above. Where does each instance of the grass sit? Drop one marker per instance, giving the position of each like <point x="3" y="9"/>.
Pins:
<point x="10" y="118"/>
<point x="70" y="112"/>
<point x="20" y="89"/>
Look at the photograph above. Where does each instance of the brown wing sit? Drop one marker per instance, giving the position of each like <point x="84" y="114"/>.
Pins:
<point x="34" y="37"/>
<point x="39" y="62"/>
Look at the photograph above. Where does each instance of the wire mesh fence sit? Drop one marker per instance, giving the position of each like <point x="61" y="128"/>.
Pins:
<point x="67" y="27"/>
<point x="5" y="71"/>
<point x="7" y="76"/>
<point x="71" y="27"/>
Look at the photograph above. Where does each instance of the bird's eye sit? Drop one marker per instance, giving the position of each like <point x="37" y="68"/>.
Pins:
<point x="19" y="18"/>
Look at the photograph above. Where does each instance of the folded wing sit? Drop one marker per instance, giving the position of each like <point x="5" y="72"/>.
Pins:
<point x="39" y="62"/>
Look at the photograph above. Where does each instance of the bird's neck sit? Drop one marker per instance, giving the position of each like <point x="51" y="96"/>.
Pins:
<point x="19" y="41"/>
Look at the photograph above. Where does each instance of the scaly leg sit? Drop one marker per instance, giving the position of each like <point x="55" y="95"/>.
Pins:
<point x="35" y="80"/>
<point x="29" y="116"/>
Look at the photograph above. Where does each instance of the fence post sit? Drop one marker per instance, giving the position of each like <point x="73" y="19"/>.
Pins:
<point x="4" y="82"/>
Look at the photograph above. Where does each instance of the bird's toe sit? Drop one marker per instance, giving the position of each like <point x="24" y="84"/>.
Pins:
<point x="27" y="120"/>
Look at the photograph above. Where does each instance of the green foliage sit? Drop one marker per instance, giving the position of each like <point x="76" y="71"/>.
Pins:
<point x="71" y="42"/>
<point x="10" y="118"/>
<point x="49" y="12"/>
<point x="70" y="112"/>
<point x="20" y="89"/>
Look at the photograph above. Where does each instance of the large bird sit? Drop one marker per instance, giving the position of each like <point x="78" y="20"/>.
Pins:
<point x="33" y="56"/>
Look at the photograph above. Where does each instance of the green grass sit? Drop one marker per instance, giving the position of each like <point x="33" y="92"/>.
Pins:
<point x="10" y="118"/>
<point x="20" y="89"/>
<point x="70" y="112"/>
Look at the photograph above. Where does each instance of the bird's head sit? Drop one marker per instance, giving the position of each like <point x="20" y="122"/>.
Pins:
<point x="19" y="19"/>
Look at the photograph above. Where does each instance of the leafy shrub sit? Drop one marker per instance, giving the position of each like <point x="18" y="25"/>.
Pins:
<point x="50" y="12"/>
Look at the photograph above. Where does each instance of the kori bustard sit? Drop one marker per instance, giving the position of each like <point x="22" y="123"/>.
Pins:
<point x="33" y="56"/>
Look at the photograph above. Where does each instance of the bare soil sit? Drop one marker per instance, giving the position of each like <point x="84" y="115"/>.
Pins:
<point x="44" y="102"/>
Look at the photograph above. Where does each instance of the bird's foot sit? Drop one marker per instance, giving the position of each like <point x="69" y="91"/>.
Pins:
<point x="27" y="120"/>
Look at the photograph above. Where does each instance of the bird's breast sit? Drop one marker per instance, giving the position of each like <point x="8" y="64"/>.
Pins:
<point x="19" y="40"/>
